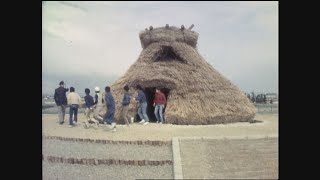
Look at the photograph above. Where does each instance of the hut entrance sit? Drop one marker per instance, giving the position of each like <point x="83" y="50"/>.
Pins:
<point x="149" y="92"/>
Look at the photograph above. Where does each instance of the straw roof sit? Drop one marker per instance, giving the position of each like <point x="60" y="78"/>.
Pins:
<point x="168" y="34"/>
<point x="199" y="94"/>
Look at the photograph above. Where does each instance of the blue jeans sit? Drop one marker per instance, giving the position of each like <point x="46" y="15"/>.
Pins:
<point x="108" y="117"/>
<point x="142" y="111"/>
<point x="73" y="111"/>
<point x="158" y="111"/>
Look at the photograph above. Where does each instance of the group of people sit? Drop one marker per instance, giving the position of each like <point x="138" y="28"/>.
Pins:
<point x="95" y="106"/>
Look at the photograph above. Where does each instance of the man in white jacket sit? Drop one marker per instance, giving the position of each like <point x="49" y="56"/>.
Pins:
<point x="99" y="105"/>
<point x="74" y="100"/>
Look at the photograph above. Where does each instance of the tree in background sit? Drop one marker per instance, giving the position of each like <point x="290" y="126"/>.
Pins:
<point x="253" y="97"/>
<point x="248" y="95"/>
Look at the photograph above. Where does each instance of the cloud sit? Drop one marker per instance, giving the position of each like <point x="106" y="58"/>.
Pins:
<point x="237" y="38"/>
<point x="73" y="5"/>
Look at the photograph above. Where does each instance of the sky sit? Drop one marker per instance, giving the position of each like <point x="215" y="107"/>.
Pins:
<point x="90" y="44"/>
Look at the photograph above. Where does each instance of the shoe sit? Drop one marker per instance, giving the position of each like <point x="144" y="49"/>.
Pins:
<point x="145" y="123"/>
<point x="113" y="125"/>
<point x="142" y="121"/>
<point x="70" y="126"/>
<point x="157" y="122"/>
<point x="75" y="123"/>
<point x="161" y="123"/>
<point x="61" y="123"/>
<point x="114" y="129"/>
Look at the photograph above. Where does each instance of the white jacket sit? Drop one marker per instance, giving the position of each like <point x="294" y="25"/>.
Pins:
<point x="100" y="98"/>
<point x="74" y="98"/>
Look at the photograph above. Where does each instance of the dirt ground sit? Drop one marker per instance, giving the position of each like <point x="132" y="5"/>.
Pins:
<point x="230" y="158"/>
<point x="219" y="158"/>
<point x="153" y="131"/>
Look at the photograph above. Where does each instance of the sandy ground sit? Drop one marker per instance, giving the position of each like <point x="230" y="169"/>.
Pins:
<point x="54" y="171"/>
<point x="153" y="131"/>
<point x="230" y="158"/>
<point x="58" y="148"/>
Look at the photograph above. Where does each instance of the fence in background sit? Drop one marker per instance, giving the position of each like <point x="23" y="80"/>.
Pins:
<point x="267" y="108"/>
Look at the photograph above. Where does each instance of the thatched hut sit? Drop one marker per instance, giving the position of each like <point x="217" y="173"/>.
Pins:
<point x="196" y="92"/>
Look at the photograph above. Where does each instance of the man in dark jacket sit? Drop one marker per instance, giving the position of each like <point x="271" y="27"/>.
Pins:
<point x="89" y="109"/>
<point x="108" y="118"/>
<point x="61" y="100"/>
<point x="142" y="108"/>
<point x="125" y="104"/>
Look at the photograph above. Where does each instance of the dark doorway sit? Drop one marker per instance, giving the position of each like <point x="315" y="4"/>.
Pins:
<point x="166" y="92"/>
<point x="149" y="92"/>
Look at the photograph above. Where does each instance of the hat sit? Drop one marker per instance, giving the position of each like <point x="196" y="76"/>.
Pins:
<point x="97" y="88"/>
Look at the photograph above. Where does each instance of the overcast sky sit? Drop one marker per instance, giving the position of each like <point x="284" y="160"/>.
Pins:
<point x="94" y="43"/>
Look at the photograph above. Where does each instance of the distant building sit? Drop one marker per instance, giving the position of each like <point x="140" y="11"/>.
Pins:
<point x="272" y="96"/>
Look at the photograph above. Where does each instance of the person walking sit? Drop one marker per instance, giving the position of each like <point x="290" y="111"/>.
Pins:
<point x="89" y="109"/>
<point x="158" y="103"/>
<point x="74" y="100"/>
<point x="110" y="104"/>
<point x="125" y="104"/>
<point x="142" y="108"/>
<point x="98" y="105"/>
<point x="60" y="99"/>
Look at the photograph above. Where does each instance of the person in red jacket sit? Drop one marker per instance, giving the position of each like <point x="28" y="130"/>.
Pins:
<point x="159" y="102"/>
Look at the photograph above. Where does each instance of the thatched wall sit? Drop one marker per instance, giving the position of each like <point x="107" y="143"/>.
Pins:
<point x="199" y="94"/>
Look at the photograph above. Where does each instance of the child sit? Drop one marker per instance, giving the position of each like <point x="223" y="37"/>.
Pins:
<point x="89" y="108"/>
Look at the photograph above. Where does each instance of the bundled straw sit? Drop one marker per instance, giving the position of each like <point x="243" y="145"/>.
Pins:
<point x="168" y="34"/>
<point x="199" y="94"/>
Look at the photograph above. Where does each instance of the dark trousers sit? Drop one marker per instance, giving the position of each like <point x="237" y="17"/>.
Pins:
<point x="108" y="117"/>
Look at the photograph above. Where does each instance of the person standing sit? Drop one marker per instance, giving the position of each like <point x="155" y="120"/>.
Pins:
<point x="142" y="108"/>
<point x="264" y="99"/>
<point x="108" y="118"/>
<point x="74" y="100"/>
<point x="125" y="104"/>
<point x="158" y="103"/>
<point x="61" y="101"/>
<point x="89" y="109"/>
<point x="98" y="105"/>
